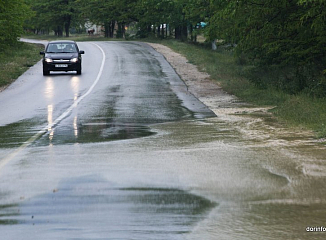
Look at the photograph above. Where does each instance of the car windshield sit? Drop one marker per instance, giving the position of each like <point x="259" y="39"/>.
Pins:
<point x="61" y="48"/>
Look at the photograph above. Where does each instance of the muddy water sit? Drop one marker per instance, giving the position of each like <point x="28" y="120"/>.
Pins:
<point x="190" y="180"/>
<point x="269" y="180"/>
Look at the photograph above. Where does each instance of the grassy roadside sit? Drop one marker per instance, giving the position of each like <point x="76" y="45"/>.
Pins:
<point x="16" y="60"/>
<point x="295" y="110"/>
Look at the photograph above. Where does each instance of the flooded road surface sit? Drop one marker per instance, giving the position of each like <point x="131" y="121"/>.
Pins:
<point x="124" y="151"/>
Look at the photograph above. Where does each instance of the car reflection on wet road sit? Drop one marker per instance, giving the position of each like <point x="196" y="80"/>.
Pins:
<point x="130" y="154"/>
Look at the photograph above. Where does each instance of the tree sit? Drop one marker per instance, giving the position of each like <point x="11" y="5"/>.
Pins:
<point x="12" y="16"/>
<point x="108" y="13"/>
<point x="98" y="12"/>
<point x="158" y="16"/>
<point x="57" y="15"/>
<point x="196" y="11"/>
<point x="285" y="35"/>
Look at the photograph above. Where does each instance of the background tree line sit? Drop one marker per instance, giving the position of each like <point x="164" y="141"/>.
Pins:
<point x="284" y="38"/>
<point x="12" y="16"/>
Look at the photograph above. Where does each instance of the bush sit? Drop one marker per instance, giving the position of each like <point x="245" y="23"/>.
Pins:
<point x="290" y="79"/>
<point x="12" y="16"/>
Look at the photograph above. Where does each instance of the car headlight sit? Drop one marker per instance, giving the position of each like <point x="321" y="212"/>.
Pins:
<point x="74" y="60"/>
<point x="48" y="60"/>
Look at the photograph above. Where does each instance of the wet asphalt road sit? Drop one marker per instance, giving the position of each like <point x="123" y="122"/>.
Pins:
<point x="124" y="151"/>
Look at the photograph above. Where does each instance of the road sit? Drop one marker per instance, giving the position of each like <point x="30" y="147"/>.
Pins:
<point x="125" y="151"/>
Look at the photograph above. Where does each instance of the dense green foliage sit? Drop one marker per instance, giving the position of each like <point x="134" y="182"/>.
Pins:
<point x="286" y="39"/>
<point x="109" y="13"/>
<point x="12" y="15"/>
<point x="55" y="15"/>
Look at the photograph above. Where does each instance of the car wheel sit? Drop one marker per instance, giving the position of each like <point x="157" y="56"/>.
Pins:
<point x="46" y="72"/>
<point x="79" y="71"/>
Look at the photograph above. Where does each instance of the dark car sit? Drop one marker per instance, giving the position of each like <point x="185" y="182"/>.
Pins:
<point x="62" y="56"/>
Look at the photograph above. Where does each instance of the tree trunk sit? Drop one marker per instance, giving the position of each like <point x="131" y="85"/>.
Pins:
<point x="158" y="31"/>
<point x="177" y="33"/>
<point x="123" y="29"/>
<point x="112" y="24"/>
<point x="119" y="32"/>
<point x="67" y="27"/>
<point x="106" y="29"/>
<point x="163" y="30"/>
<point x="59" y="31"/>
<point x="184" y="33"/>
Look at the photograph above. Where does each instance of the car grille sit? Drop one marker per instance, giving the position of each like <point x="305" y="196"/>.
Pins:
<point x="61" y="60"/>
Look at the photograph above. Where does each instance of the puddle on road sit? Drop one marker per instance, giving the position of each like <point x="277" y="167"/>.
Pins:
<point x="170" y="201"/>
<point x="15" y="134"/>
<point x="8" y="213"/>
<point x="93" y="207"/>
<point x="170" y="213"/>
<point x="95" y="132"/>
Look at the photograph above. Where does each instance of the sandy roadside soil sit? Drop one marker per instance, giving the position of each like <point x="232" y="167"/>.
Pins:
<point x="201" y="85"/>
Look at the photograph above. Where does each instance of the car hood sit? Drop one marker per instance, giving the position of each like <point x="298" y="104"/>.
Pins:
<point x="61" y="55"/>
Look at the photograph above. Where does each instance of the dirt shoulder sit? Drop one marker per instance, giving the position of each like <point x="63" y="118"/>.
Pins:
<point x="249" y="120"/>
<point x="199" y="83"/>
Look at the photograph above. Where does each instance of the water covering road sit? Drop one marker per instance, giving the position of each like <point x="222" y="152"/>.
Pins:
<point x="124" y="151"/>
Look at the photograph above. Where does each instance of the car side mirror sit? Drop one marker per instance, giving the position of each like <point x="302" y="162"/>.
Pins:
<point x="81" y="52"/>
<point x="42" y="53"/>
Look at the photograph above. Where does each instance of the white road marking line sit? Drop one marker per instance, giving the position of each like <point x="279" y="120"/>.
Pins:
<point x="11" y="156"/>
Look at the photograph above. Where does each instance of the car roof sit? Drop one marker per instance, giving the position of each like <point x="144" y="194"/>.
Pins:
<point x="62" y="41"/>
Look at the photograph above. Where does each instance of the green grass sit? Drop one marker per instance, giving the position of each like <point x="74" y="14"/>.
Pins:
<point x="302" y="110"/>
<point x="16" y="60"/>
